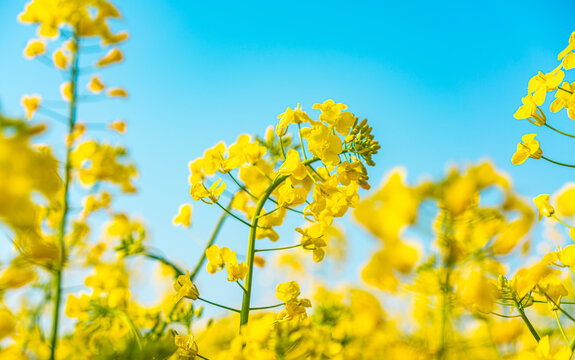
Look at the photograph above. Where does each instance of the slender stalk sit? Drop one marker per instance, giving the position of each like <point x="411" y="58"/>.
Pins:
<point x="245" y="312"/>
<point x="270" y="212"/>
<point x="568" y="91"/>
<point x="560" y="327"/>
<point x="559" y="131"/>
<point x="219" y="305"/>
<point x="301" y="141"/>
<point x="59" y="269"/>
<point x="233" y="215"/>
<point x="241" y="286"/>
<point x="164" y="261"/>
<point x="267" y="307"/>
<point x="557" y="162"/>
<point x="559" y="307"/>
<point x="211" y="241"/>
<point x="561" y="221"/>
<point x="526" y="320"/>
<point x="280" y="248"/>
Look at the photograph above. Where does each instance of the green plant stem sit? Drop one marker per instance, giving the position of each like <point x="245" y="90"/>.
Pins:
<point x="245" y="312"/>
<point x="561" y="221"/>
<point x="280" y="248"/>
<point x="211" y="241"/>
<point x="560" y="327"/>
<point x="559" y="307"/>
<point x="559" y="131"/>
<point x="557" y="162"/>
<point x="301" y="141"/>
<point x="267" y="307"/>
<point x="233" y="215"/>
<point x="526" y="320"/>
<point x="59" y="269"/>
<point x="568" y="91"/>
<point x="164" y="261"/>
<point x="219" y="305"/>
<point x="241" y="286"/>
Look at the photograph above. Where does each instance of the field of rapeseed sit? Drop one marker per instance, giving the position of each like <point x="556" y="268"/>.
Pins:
<point x="450" y="278"/>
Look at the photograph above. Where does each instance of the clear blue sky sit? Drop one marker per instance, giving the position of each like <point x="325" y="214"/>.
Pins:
<point x="439" y="81"/>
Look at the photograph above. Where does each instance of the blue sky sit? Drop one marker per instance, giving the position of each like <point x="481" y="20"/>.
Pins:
<point x="439" y="82"/>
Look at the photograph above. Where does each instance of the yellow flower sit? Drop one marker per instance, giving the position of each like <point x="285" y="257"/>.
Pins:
<point x="287" y="291"/>
<point x="527" y="148"/>
<point x="185" y="288"/>
<point x="7" y="323"/>
<point x="530" y="110"/>
<point x="117" y="92"/>
<point x="16" y="275"/>
<point x="215" y="259"/>
<point x="60" y="59"/>
<point x="34" y="48"/>
<point x="31" y="103"/>
<point x="541" y="83"/>
<point x="218" y="258"/>
<point x="295" y="116"/>
<point x="66" y="91"/>
<point x="96" y="85"/>
<point x="184" y="216"/>
<point x="569" y="47"/>
<point x="331" y="113"/>
<point x="293" y="166"/>
<point x="312" y="240"/>
<point x="209" y="196"/>
<point x="565" y="99"/>
<point x="118" y="126"/>
<point x="542" y="203"/>
<point x="187" y="347"/>
<point x="113" y="56"/>
<point x="323" y="143"/>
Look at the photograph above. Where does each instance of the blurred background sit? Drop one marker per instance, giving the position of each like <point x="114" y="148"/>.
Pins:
<point x="439" y="82"/>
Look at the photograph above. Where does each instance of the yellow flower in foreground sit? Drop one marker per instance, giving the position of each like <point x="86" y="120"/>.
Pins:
<point x="113" y="56"/>
<point x="295" y="116"/>
<point x="530" y="110"/>
<point x="294" y="307"/>
<point x="185" y="288"/>
<point x="184" y="216"/>
<point x="542" y="203"/>
<point x="117" y="92"/>
<point x="15" y="276"/>
<point x="118" y="125"/>
<point x="527" y="148"/>
<point x="96" y="85"/>
<point x="34" y="48"/>
<point x="287" y="291"/>
<point x="31" y="103"/>
<point x="218" y="258"/>
<point x="7" y="323"/>
<point x="541" y="83"/>
<point x="66" y="91"/>
<point x="293" y="166"/>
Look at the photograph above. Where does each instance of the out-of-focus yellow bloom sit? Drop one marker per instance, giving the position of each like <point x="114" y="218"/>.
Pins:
<point x="294" y="307"/>
<point x="287" y="291"/>
<point x="66" y="91"/>
<point x="34" y="48"/>
<point x="459" y="195"/>
<point x="113" y="56"/>
<point x="542" y="203"/>
<point x="565" y="200"/>
<point x="31" y="103"/>
<point x="96" y="85"/>
<point x="527" y="148"/>
<point x="209" y="196"/>
<point x="117" y="92"/>
<point x="7" y="323"/>
<point x="215" y="259"/>
<point x="312" y="240"/>
<point x="381" y="269"/>
<point x="259" y="261"/>
<point x="77" y="307"/>
<point x="118" y="125"/>
<point x="187" y="347"/>
<point x="60" y="59"/>
<point x="477" y="292"/>
<point x="295" y="116"/>
<point x="185" y="288"/>
<point x="16" y="275"/>
<point x="184" y="216"/>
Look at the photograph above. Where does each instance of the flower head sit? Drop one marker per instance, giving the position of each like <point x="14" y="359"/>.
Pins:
<point x="527" y="148"/>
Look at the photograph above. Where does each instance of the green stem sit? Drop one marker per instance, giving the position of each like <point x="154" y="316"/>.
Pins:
<point x="233" y="215"/>
<point x="58" y="276"/>
<point x="559" y="131"/>
<point x="164" y="261"/>
<point x="559" y="307"/>
<point x="267" y="307"/>
<point x="211" y="241"/>
<point x="560" y="327"/>
<point x="301" y="141"/>
<point x="270" y="212"/>
<point x="280" y="248"/>
<point x="557" y="162"/>
<point x="526" y="320"/>
<point x="568" y="91"/>
<point x="245" y="313"/>
<point x="219" y="305"/>
<point x="282" y="147"/>
<point x="240" y="285"/>
<point x="561" y="221"/>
